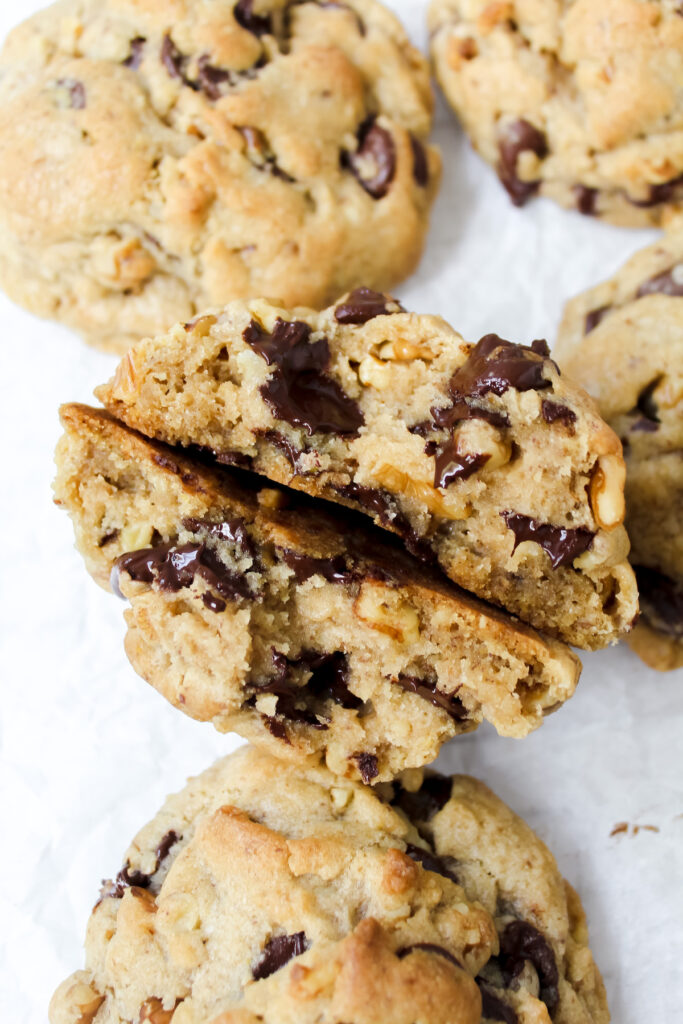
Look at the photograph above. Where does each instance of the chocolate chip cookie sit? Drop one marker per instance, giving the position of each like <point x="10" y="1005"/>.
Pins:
<point x="304" y="629"/>
<point x="577" y="101"/>
<point x="481" y="457"/>
<point x="157" y="158"/>
<point x="624" y="342"/>
<point x="263" y="893"/>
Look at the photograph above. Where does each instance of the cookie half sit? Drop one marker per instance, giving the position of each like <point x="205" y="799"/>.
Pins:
<point x="580" y="102"/>
<point x="304" y="629"/>
<point x="481" y="457"/>
<point x="263" y="893"/>
<point x="623" y="340"/>
<point x="158" y="158"/>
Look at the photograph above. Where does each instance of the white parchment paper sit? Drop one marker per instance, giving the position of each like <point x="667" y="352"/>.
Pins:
<point x="88" y="751"/>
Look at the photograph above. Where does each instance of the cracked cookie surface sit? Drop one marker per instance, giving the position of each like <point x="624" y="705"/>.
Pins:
<point x="483" y="458"/>
<point x="262" y="893"/>
<point x="577" y="100"/>
<point x="156" y="158"/>
<point x="299" y="626"/>
<point x="623" y="340"/>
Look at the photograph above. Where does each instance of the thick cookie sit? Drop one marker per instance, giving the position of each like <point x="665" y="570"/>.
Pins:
<point x="482" y="457"/>
<point x="577" y="101"/>
<point x="624" y="342"/>
<point x="156" y="158"/>
<point x="309" y="631"/>
<point x="263" y="893"/>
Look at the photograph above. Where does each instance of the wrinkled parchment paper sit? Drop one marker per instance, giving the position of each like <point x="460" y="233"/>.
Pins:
<point x="89" y="751"/>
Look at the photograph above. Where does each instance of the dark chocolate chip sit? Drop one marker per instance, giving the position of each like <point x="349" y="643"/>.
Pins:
<point x="374" y="161"/>
<point x="561" y="543"/>
<point x="165" y="846"/>
<point x="520" y="942"/>
<point x="384" y="508"/>
<point x="367" y="766"/>
<point x="661" y="601"/>
<point x="553" y="412"/>
<point x="76" y="90"/>
<point x="429" y="947"/>
<point x="594" y="318"/>
<point x="210" y="78"/>
<point x="493" y="1008"/>
<point x="494" y="365"/>
<point x="647" y="407"/>
<point x="428" y="690"/>
<point x="277" y="728"/>
<point x="420" y="162"/>
<point x="431" y="862"/>
<point x="519" y="137"/>
<point x="364" y="304"/>
<point x="172" y="59"/>
<point x="290" y="697"/>
<point x="107" y="538"/>
<point x="446" y="417"/>
<point x="257" y="24"/>
<point x="333" y="569"/>
<point x="174" y="567"/>
<point x="451" y="465"/>
<point x="127" y="879"/>
<point x="298" y="390"/>
<point x="658" y="194"/>
<point x="586" y="200"/>
<point x="432" y="796"/>
<point x="277" y="952"/>
<point x="662" y="284"/>
<point x="137" y="52"/>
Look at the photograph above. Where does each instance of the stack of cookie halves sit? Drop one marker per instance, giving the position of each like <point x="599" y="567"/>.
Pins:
<point x="346" y="533"/>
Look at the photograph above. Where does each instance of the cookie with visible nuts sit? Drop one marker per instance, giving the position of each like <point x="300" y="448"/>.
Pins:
<point x="266" y="893"/>
<point x="580" y="101"/>
<point x="623" y="340"/>
<point x="156" y="158"/>
<point x="481" y="457"/>
<point x="300" y="627"/>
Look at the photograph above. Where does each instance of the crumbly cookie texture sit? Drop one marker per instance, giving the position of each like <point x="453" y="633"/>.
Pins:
<point x="578" y="100"/>
<point x="624" y="342"/>
<point x="309" y="632"/>
<point x="264" y="893"/>
<point x="482" y="457"/>
<point x="156" y="158"/>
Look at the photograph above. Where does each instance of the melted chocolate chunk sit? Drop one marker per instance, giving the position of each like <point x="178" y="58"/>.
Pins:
<point x="107" y="538"/>
<point x="594" y="318"/>
<point x="661" y="601"/>
<point x="384" y="507"/>
<point x="362" y="305"/>
<point x="494" y="365"/>
<point x="137" y="52"/>
<point x="287" y="447"/>
<point x="586" y="200"/>
<point x="662" y="284"/>
<point x="277" y="728"/>
<point x="289" y="695"/>
<point x="127" y="879"/>
<point x="174" y="567"/>
<point x="561" y="543"/>
<point x="663" y="193"/>
<point x="420" y="162"/>
<point x="428" y="800"/>
<point x="298" y="391"/>
<point x="431" y="862"/>
<point x="519" y="137"/>
<point x="520" y="942"/>
<point x="334" y="569"/>
<point x="450" y="465"/>
<point x="649" y="410"/>
<point x="173" y="60"/>
<point x="210" y="78"/>
<point x="493" y="1008"/>
<point x="374" y="162"/>
<point x="329" y="680"/>
<point x="462" y="409"/>
<point x="367" y="766"/>
<point x="429" y="947"/>
<point x="277" y="952"/>
<point x="553" y="412"/>
<point x="257" y="24"/>
<point x="428" y="690"/>
<point x="76" y="90"/>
